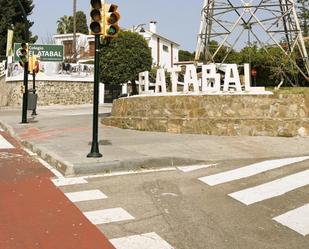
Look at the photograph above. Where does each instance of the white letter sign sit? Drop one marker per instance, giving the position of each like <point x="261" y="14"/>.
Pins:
<point x="210" y="79"/>
<point x="160" y="81"/>
<point x="191" y="78"/>
<point x="232" y="78"/>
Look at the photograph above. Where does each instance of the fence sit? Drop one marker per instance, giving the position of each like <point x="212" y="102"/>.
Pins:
<point x="2" y="69"/>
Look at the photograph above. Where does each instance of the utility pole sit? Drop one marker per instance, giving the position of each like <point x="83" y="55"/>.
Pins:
<point x="74" y="31"/>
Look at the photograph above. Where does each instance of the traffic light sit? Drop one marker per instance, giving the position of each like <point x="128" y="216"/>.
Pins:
<point x="22" y="89"/>
<point x="111" y="18"/>
<point x="97" y="20"/>
<point x="33" y="65"/>
<point x="23" y="54"/>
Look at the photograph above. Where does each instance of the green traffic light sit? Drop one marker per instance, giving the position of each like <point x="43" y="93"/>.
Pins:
<point x="112" y="30"/>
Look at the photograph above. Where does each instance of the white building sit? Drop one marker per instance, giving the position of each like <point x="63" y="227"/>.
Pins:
<point x="164" y="51"/>
<point x="84" y="45"/>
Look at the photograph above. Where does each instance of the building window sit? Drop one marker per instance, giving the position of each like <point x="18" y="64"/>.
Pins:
<point x="68" y="48"/>
<point x="82" y="52"/>
<point x="165" y="48"/>
<point x="91" y="48"/>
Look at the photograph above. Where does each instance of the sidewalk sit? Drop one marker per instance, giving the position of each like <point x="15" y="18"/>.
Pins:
<point x="62" y="135"/>
<point x="33" y="212"/>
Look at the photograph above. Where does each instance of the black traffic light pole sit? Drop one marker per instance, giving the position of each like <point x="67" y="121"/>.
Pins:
<point x="25" y="94"/>
<point x="94" y="153"/>
<point x="34" y="92"/>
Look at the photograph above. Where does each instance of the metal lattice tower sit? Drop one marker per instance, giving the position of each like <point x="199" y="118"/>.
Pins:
<point x="235" y="24"/>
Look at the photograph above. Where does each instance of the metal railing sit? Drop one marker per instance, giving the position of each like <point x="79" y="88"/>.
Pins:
<point x="2" y="69"/>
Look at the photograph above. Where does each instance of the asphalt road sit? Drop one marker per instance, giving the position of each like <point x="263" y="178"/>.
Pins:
<point x="191" y="209"/>
<point x="256" y="196"/>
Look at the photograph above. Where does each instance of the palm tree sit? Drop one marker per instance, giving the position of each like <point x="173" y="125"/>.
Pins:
<point x="63" y="25"/>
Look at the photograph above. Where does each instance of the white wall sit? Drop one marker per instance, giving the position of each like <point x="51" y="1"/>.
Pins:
<point x="81" y="40"/>
<point x="165" y="57"/>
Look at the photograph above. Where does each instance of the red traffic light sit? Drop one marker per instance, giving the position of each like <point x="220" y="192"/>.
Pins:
<point x="96" y="4"/>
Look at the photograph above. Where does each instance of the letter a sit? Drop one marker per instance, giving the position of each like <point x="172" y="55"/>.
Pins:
<point x="232" y="78"/>
<point x="191" y="78"/>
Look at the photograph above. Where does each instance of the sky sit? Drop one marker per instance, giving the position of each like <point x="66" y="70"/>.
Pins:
<point x="178" y="20"/>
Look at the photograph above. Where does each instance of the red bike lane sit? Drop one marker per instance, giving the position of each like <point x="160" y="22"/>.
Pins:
<point x="36" y="214"/>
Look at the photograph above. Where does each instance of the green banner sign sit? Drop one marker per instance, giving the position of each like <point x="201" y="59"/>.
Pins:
<point x="53" y="53"/>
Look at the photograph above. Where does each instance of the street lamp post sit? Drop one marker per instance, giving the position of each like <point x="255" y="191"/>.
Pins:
<point x="141" y="26"/>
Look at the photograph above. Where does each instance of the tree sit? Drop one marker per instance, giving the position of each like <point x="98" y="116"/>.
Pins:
<point x="124" y="59"/>
<point x="65" y="24"/>
<point x="303" y="12"/>
<point x="12" y="18"/>
<point x="81" y="23"/>
<point x="185" y="55"/>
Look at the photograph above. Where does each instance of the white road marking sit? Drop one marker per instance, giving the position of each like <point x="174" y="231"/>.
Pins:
<point x="108" y="215"/>
<point x="121" y="173"/>
<point x="83" y="179"/>
<point x="143" y="241"/>
<point x="29" y="152"/>
<point x="52" y="169"/>
<point x="170" y="194"/>
<point x="297" y="220"/>
<point x="88" y="195"/>
<point x="4" y="144"/>
<point x="191" y="168"/>
<point x="60" y="182"/>
<point x="272" y="189"/>
<point x="250" y="170"/>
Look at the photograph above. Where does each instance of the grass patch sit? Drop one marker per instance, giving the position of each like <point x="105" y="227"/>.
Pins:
<point x="290" y="90"/>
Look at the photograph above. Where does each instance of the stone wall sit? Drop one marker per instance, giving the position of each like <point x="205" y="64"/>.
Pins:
<point x="49" y="93"/>
<point x="253" y="115"/>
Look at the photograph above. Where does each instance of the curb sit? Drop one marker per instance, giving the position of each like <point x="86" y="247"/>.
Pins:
<point x="58" y="163"/>
<point x="133" y="165"/>
<point x="69" y="169"/>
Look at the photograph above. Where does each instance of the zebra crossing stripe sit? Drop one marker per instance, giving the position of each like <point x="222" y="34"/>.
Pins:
<point x="61" y="182"/>
<point x="143" y="241"/>
<point x="297" y="220"/>
<point x="272" y="189"/>
<point x="191" y="168"/>
<point x="89" y="195"/>
<point x="249" y="170"/>
<point x="4" y="144"/>
<point x="108" y="215"/>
